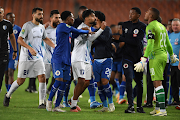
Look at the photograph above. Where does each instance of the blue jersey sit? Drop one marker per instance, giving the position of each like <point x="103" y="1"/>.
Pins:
<point x="175" y="42"/>
<point x="62" y="51"/>
<point x="16" y="31"/>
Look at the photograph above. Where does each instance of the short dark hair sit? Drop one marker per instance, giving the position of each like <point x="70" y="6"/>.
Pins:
<point x="82" y="7"/>
<point x="120" y="23"/>
<point x="170" y="20"/>
<point x="100" y="15"/>
<point x="156" y="13"/>
<point x="35" y="9"/>
<point x="86" y="13"/>
<point x="137" y="10"/>
<point x="9" y="13"/>
<point x="112" y="25"/>
<point x="65" y="14"/>
<point x="54" y="12"/>
<point x="159" y="19"/>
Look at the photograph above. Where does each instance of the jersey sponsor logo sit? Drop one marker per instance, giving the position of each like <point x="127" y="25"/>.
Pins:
<point x="23" y="31"/>
<point x="15" y="31"/>
<point x="126" y="30"/>
<point x="68" y="26"/>
<point x="4" y="27"/>
<point x="125" y="65"/>
<point x="57" y="73"/>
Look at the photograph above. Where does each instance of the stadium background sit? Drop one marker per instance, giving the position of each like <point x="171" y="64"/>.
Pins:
<point x="115" y="10"/>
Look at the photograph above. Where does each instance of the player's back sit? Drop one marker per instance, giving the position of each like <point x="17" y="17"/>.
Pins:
<point x="160" y="37"/>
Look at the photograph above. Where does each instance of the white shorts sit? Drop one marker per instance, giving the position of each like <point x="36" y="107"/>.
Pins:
<point x="48" y="68"/>
<point x="81" y="70"/>
<point x="30" y="69"/>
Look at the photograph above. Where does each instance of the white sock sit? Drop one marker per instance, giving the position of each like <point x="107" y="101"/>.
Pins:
<point x="14" y="86"/>
<point x="162" y="110"/>
<point x="73" y="103"/>
<point x="42" y="93"/>
<point x="157" y="108"/>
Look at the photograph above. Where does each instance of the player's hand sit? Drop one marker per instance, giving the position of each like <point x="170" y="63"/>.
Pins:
<point x="47" y="24"/>
<point x="85" y="28"/>
<point x="103" y="25"/>
<point x="14" y="55"/>
<point x="114" y="47"/>
<point x="32" y="51"/>
<point x="174" y="58"/>
<point x="139" y="67"/>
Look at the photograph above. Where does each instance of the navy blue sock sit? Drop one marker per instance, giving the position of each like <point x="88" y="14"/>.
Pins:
<point x="54" y="88"/>
<point x="108" y="92"/>
<point x="6" y="87"/>
<point x="91" y="89"/>
<point x="9" y="86"/>
<point x="102" y="96"/>
<point x="134" y="92"/>
<point x="65" y="97"/>
<point x="122" y="89"/>
<point x="60" y="93"/>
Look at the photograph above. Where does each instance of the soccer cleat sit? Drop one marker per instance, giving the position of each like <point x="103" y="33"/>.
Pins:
<point x="174" y="104"/>
<point x="121" y="101"/>
<point x="49" y="105"/>
<point x="130" y="109"/>
<point x="65" y="104"/>
<point x="62" y="105"/>
<point x="42" y="106"/>
<point x="178" y="107"/>
<point x="6" y="101"/>
<point x="95" y="104"/>
<point x="104" y="109"/>
<point x="148" y="105"/>
<point x="69" y="101"/>
<point x="140" y="110"/>
<point x="145" y="101"/>
<point x="154" y="111"/>
<point x="74" y="109"/>
<point x="57" y="109"/>
<point x="159" y="113"/>
<point x="78" y="108"/>
<point x="111" y="107"/>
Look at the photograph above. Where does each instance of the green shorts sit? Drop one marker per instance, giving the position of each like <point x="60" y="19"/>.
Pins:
<point x="156" y="67"/>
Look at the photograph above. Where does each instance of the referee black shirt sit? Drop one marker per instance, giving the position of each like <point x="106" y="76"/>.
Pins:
<point x="133" y="34"/>
<point x="6" y="29"/>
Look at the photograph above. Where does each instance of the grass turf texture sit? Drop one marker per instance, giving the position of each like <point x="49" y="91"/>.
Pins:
<point x="24" y="106"/>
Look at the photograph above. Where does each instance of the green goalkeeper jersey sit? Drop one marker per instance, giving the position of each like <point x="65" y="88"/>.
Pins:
<point x="160" y="44"/>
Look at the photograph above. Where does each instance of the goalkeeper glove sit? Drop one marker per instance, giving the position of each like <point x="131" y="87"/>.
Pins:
<point x="174" y="58"/>
<point x="139" y="67"/>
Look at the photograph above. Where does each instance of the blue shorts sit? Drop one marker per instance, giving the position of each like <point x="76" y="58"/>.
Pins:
<point x="102" y="69"/>
<point x="12" y="64"/>
<point x="61" y="70"/>
<point x="117" y="66"/>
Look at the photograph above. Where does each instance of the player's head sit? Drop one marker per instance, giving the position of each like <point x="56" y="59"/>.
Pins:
<point x="67" y="17"/>
<point x="10" y="17"/>
<point x="152" y="14"/>
<point x="81" y="10"/>
<point x="134" y="14"/>
<point x="120" y="27"/>
<point x="169" y="26"/>
<point x="176" y="25"/>
<point x="1" y="13"/>
<point x="89" y="17"/>
<point x="55" y="18"/>
<point x="37" y="14"/>
<point x="100" y="17"/>
<point x="114" y="28"/>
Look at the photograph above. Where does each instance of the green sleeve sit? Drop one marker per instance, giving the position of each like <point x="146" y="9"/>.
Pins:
<point x="149" y="47"/>
<point x="169" y="46"/>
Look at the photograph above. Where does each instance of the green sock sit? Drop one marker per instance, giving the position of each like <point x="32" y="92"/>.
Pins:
<point x="160" y="94"/>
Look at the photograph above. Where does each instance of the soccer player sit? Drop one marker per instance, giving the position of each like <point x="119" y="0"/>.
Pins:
<point x="80" y="60"/>
<point x="133" y="34"/>
<point x="31" y="59"/>
<point x="6" y="29"/>
<point x="158" y="44"/>
<point x="103" y="63"/>
<point x="61" y="59"/>
<point x="175" y="72"/>
<point x="9" y="74"/>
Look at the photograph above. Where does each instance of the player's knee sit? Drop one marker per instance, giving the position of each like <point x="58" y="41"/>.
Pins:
<point x="104" y="81"/>
<point x="20" y="81"/>
<point x="42" y="78"/>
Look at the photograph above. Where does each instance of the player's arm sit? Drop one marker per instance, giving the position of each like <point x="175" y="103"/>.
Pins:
<point x="13" y="43"/>
<point x="49" y="42"/>
<point x="121" y="44"/>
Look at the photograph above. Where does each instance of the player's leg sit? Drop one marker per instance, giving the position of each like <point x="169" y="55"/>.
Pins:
<point x="112" y="80"/>
<point x="122" y="89"/>
<point x="6" y="79"/>
<point x="65" y="97"/>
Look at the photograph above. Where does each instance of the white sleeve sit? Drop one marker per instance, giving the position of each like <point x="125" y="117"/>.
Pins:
<point x="94" y="36"/>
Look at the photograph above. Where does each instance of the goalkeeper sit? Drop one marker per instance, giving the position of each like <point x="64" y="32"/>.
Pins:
<point x="158" y="44"/>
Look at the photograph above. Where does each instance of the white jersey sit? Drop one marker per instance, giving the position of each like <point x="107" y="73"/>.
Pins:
<point x="82" y="45"/>
<point x="48" y="50"/>
<point x="32" y="35"/>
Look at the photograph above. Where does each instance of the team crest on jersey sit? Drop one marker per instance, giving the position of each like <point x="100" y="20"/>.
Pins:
<point x="15" y="31"/>
<point x="23" y="31"/>
<point x="125" y="65"/>
<point x="57" y="73"/>
<point x="126" y="30"/>
<point x="136" y="31"/>
<point x="4" y="27"/>
<point x="176" y="41"/>
<point x="68" y="26"/>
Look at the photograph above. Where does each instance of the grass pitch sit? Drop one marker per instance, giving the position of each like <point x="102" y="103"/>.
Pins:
<point x="24" y="106"/>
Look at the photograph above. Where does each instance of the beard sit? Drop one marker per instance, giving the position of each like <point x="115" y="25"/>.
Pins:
<point x="55" y="24"/>
<point x="93" y="23"/>
<point x="39" y="20"/>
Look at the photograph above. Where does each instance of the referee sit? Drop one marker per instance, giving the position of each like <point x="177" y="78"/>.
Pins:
<point x="6" y="29"/>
